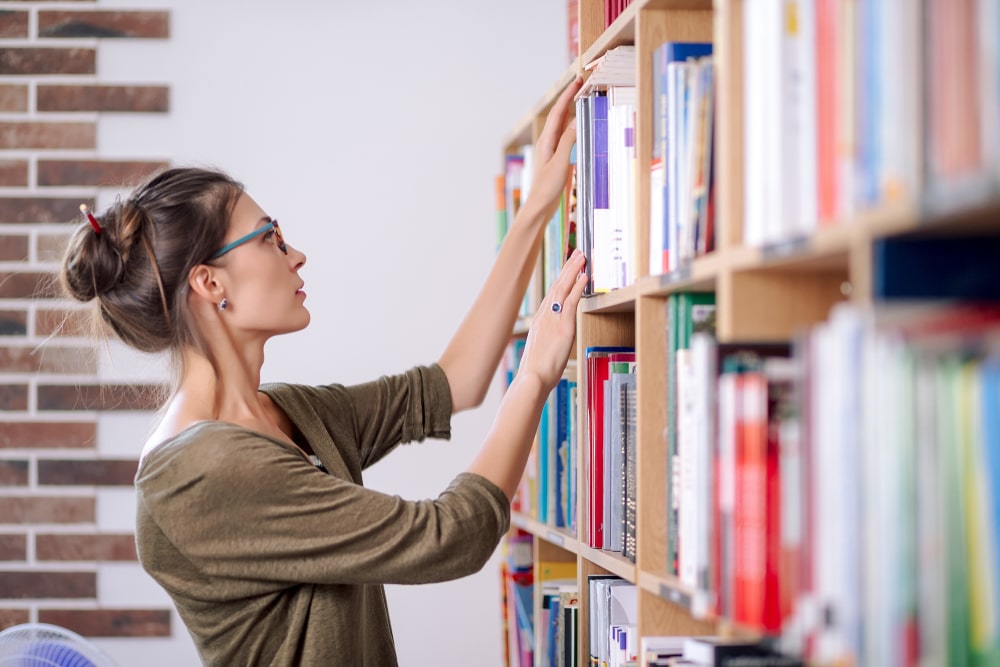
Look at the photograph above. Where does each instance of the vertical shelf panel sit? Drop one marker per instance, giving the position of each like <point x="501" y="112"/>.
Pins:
<point x="728" y="51"/>
<point x="591" y="23"/>
<point x="651" y="455"/>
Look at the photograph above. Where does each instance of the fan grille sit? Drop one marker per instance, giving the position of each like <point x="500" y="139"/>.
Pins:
<point x="45" y="645"/>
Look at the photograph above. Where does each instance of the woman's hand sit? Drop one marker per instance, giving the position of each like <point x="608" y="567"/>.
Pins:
<point x="550" y="338"/>
<point x="551" y="155"/>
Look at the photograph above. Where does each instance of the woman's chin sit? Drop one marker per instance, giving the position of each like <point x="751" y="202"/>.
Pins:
<point x="305" y="319"/>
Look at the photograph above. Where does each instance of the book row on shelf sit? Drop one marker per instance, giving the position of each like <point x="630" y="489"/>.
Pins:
<point x="838" y="491"/>
<point x="546" y="633"/>
<point x="778" y="442"/>
<point x="843" y="112"/>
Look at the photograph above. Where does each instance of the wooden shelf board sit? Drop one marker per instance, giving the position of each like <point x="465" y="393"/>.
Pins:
<point x="667" y="587"/>
<point x="616" y="301"/>
<point x="613" y="562"/>
<point x="699" y="276"/>
<point x="556" y="536"/>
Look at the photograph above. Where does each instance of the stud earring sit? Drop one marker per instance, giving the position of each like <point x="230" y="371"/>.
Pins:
<point x="224" y="303"/>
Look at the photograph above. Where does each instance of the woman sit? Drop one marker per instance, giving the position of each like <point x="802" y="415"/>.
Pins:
<point x="251" y="510"/>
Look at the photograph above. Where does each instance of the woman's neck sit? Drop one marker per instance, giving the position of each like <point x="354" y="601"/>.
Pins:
<point x="224" y="389"/>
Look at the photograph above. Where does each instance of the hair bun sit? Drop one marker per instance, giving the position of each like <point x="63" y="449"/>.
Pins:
<point x="93" y="266"/>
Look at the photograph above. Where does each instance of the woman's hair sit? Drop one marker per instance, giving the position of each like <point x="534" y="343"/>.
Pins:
<point x="137" y="268"/>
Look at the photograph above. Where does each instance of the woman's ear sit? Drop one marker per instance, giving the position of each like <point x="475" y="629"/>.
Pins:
<point x="203" y="281"/>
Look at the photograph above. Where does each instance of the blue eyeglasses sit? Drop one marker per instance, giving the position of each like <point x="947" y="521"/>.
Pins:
<point x="272" y="225"/>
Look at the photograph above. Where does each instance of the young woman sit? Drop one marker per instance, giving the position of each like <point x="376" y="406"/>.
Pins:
<point x="251" y="509"/>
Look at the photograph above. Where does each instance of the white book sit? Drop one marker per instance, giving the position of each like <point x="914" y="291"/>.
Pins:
<point x="787" y="120"/>
<point x="754" y="132"/>
<point x="775" y="117"/>
<point x="621" y="152"/>
<point x="703" y="374"/>
<point x="930" y="499"/>
<point x="729" y="416"/>
<point x="687" y="548"/>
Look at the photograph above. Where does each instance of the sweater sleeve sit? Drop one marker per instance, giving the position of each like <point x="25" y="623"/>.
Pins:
<point x="377" y="416"/>
<point x="265" y="515"/>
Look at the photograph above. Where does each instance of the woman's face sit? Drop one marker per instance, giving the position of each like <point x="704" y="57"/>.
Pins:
<point x="262" y="286"/>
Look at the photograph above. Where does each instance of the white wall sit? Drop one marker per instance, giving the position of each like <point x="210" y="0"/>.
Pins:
<point x="372" y="131"/>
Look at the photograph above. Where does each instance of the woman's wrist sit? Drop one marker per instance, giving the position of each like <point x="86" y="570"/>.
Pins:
<point x="529" y="381"/>
<point x="530" y="216"/>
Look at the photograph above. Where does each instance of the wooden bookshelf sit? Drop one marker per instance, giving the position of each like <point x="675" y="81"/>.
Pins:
<point x="764" y="293"/>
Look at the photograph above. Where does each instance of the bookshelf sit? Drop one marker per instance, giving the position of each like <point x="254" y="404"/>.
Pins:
<point x="772" y="291"/>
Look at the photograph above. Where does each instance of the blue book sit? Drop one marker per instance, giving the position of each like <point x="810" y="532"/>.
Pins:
<point x="544" y="458"/>
<point x="666" y="53"/>
<point x="990" y="371"/>
<point x="561" y="430"/>
<point x="962" y="267"/>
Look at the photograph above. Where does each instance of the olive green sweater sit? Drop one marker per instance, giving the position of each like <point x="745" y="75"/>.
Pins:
<point x="271" y="561"/>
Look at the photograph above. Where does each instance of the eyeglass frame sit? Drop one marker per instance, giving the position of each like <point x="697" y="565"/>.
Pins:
<point x="272" y="224"/>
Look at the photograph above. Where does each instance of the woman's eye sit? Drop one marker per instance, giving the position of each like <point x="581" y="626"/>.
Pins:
<point x="269" y="236"/>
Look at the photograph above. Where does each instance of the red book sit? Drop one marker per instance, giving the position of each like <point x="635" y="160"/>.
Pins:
<point x="826" y="109"/>
<point x="750" y="520"/>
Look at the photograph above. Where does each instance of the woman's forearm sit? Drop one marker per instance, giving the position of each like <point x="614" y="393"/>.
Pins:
<point x="505" y="451"/>
<point x="472" y="355"/>
<point x="471" y="358"/>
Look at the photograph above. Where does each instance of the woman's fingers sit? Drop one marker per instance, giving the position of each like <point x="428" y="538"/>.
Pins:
<point x="555" y="122"/>
<point x="568" y="286"/>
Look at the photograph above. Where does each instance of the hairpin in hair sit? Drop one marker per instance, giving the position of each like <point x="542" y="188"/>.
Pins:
<point x="91" y="219"/>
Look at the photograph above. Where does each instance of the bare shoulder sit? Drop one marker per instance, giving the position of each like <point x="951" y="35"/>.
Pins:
<point x="176" y="416"/>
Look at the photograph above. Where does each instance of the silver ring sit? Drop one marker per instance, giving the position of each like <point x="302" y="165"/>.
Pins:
<point x="556" y="307"/>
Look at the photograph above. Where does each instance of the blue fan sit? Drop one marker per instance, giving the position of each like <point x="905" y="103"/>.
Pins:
<point x="45" y="645"/>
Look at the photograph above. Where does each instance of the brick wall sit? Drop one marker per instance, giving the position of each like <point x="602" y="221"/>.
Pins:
<point x="69" y="435"/>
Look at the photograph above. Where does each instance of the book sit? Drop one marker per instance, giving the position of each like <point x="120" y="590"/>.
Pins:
<point x="686" y="311"/>
<point x="518" y="606"/>
<point x="717" y="650"/>
<point x="597" y="372"/>
<point x="962" y="267"/>
<point x="596" y="587"/>
<point x="585" y="185"/>
<point x="665" y="136"/>
<point x="621" y="374"/>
